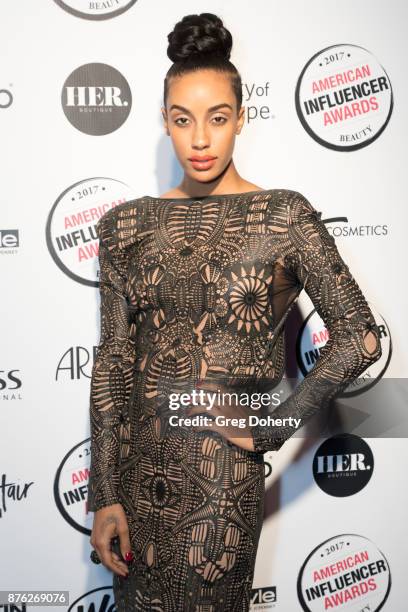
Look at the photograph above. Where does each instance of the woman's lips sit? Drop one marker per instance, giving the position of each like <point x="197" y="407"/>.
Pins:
<point x="202" y="165"/>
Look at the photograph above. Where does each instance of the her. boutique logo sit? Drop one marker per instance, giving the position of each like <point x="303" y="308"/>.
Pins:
<point x="343" y="465"/>
<point x="96" y="99"/>
<point x="344" y="98"/>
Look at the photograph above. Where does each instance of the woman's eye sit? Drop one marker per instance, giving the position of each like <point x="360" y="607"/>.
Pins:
<point x="182" y="119"/>
<point x="223" y="119"/>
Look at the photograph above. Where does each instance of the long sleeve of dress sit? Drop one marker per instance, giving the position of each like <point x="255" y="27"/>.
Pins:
<point x="112" y="371"/>
<point x="354" y="338"/>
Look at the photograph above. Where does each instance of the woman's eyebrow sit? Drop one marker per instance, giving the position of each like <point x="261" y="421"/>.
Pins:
<point x="210" y="110"/>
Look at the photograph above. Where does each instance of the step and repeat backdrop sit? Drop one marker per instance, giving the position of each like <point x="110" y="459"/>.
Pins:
<point x="325" y="89"/>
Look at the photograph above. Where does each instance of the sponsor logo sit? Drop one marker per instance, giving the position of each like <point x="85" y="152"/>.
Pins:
<point x="343" y="465"/>
<point x="263" y="598"/>
<point x="344" y="97"/>
<point x="96" y="99"/>
<point x="71" y="487"/>
<point x="71" y="226"/>
<point x="313" y="336"/>
<point x="346" y="572"/>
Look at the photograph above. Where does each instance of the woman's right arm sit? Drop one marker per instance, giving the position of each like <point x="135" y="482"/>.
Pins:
<point x="112" y="372"/>
<point x="111" y="383"/>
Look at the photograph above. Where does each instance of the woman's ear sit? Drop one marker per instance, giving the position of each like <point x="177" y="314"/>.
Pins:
<point x="164" y="115"/>
<point x="241" y="119"/>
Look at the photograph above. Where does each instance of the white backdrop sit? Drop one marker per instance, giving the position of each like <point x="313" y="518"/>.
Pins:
<point x="59" y="160"/>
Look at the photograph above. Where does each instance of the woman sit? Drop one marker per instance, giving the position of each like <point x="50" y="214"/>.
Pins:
<point x="195" y="288"/>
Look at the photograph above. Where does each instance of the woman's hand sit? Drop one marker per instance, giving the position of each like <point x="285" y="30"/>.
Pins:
<point x="109" y="522"/>
<point x="230" y="415"/>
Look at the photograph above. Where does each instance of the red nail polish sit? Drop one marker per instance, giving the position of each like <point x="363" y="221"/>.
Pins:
<point x="129" y="556"/>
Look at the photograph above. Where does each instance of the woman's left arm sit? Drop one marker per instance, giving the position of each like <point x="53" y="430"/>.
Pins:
<point x="354" y="337"/>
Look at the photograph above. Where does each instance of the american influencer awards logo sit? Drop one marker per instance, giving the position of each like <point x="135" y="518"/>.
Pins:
<point x="344" y="97"/>
<point x="71" y="487"/>
<point x="346" y="572"/>
<point x="95" y="10"/>
<point x="71" y="225"/>
<point x="313" y="336"/>
<point x="96" y="99"/>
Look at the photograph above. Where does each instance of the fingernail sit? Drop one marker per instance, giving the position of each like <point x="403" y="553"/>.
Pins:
<point x="129" y="556"/>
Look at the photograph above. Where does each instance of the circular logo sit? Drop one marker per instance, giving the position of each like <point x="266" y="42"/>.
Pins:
<point x="347" y="572"/>
<point x="71" y="226"/>
<point x="344" y="97"/>
<point x="71" y="487"/>
<point x="95" y="10"/>
<point x="312" y="337"/>
<point x="343" y="465"/>
<point x="96" y="99"/>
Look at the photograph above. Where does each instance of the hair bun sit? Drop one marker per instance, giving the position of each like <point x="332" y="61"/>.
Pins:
<point x="195" y="35"/>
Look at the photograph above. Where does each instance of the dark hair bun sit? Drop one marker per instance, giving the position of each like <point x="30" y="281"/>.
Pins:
<point x="199" y="35"/>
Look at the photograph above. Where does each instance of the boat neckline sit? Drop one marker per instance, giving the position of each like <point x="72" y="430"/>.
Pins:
<point x="215" y="195"/>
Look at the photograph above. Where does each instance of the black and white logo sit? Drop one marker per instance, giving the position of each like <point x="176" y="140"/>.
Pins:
<point x="263" y="598"/>
<point x="343" y="465"/>
<point x="96" y="99"/>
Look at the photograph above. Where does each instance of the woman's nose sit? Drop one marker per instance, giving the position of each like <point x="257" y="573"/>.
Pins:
<point x="200" y="137"/>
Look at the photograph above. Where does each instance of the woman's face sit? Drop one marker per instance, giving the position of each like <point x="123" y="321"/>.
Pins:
<point x="201" y="119"/>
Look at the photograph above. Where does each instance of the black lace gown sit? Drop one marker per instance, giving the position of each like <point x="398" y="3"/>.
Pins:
<point x="191" y="288"/>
